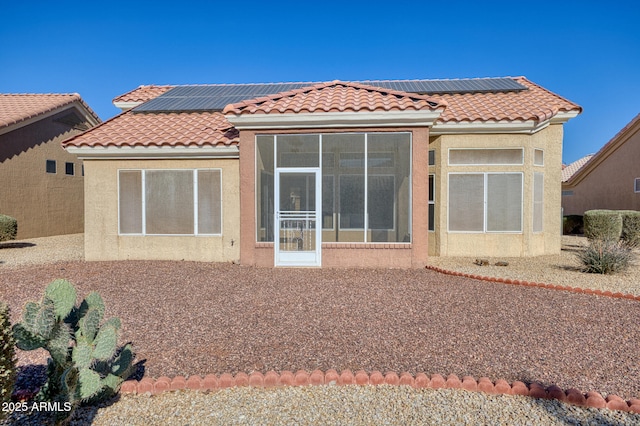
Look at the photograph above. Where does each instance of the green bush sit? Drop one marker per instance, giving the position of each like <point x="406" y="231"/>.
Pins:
<point x="85" y="364"/>
<point x="572" y="224"/>
<point x="630" y="228"/>
<point x="605" y="257"/>
<point x="605" y="225"/>
<point x="8" y="228"/>
<point x="7" y="357"/>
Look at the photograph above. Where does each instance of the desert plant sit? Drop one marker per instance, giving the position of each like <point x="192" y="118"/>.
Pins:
<point x="605" y="225"/>
<point x="7" y="357"/>
<point x="85" y="364"/>
<point x="8" y="228"/>
<point x="605" y="257"/>
<point x="630" y="228"/>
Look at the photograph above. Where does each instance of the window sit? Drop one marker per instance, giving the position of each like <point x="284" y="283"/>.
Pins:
<point x="69" y="169"/>
<point x="51" y="166"/>
<point x="538" y="202"/>
<point x="471" y="157"/>
<point x="432" y="202"/>
<point x="567" y="193"/>
<point x="170" y="202"/>
<point x="636" y="185"/>
<point x="485" y="202"/>
<point x="432" y="157"/>
<point x="538" y="157"/>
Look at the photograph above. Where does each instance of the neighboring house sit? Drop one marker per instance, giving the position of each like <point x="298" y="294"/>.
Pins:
<point x="42" y="184"/>
<point x="610" y="179"/>
<point x="376" y="173"/>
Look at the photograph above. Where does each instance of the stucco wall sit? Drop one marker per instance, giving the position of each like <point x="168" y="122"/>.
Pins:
<point x="44" y="204"/>
<point x="526" y="243"/>
<point x="102" y="241"/>
<point x="610" y="184"/>
<point x="336" y="254"/>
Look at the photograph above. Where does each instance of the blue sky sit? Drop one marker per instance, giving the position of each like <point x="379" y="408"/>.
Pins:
<point x="588" y="52"/>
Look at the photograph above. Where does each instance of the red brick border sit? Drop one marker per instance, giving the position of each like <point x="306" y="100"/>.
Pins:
<point x="533" y="284"/>
<point x="346" y="377"/>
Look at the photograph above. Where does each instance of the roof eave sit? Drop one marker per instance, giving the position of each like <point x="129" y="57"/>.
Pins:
<point x="80" y="106"/>
<point x="153" y="152"/>
<point x="349" y="119"/>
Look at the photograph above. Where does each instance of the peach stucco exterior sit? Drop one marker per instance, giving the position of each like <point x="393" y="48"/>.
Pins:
<point x="402" y="255"/>
<point x="525" y="243"/>
<point x="43" y="203"/>
<point x="608" y="180"/>
<point x="102" y="238"/>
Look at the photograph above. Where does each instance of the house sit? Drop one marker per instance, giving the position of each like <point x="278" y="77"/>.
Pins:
<point x="610" y="179"/>
<point x="375" y="173"/>
<point x="42" y="184"/>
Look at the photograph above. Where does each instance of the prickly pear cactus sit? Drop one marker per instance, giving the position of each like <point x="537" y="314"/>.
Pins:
<point x="7" y="358"/>
<point x="86" y="364"/>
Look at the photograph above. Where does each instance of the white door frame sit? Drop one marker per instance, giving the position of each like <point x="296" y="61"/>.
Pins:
<point x="307" y="258"/>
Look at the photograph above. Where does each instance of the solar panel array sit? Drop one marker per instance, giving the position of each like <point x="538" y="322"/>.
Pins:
<point x="216" y="97"/>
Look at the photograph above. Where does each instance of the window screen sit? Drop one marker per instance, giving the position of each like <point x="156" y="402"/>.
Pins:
<point x="130" y="201"/>
<point x="51" y="166"/>
<point x="169" y="202"/>
<point x="352" y="201"/>
<point x="538" y="199"/>
<point x="209" y="202"/>
<point x="485" y="156"/>
<point x="504" y="202"/>
<point x="432" y="157"/>
<point x="381" y="201"/>
<point x="466" y="202"/>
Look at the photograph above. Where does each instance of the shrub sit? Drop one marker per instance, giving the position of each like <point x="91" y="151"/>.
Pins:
<point x="8" y="228"/>
<point x="7" y="357"/>
<point x="85" y="364"/>
<point x="605" y="225"/>
<point x="605" y="257"/>
<point x="630" y="228"/>
<point x="572" y="224"/>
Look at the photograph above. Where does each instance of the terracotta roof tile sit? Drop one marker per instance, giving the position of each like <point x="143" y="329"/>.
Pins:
<point x="335" y="96"/>
<point x="536" y="104"/>
<point x="166" y="129"/>
<point x="573" y="168"/>
<point x="143" y="93"/>
<point x="15" y="108"/>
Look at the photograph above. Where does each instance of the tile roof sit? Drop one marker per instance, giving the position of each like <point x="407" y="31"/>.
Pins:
<point x="212" y="128"/>
<point x="165" y="129"/>
<point x="572" y="168"/>
<point x="335" y="96"/>
<point x="16" y="108"/>
<point x="537" y="104"/>
<point x="142" y="93"/>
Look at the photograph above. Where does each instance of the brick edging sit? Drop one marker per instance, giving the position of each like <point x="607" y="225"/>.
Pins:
<point x="534" y="284"/>
<point x="213" y="382"/>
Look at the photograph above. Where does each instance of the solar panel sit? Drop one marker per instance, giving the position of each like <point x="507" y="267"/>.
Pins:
<point x="215" y="97"/>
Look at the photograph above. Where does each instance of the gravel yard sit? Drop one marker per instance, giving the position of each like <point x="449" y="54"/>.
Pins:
<point x="188" y="318"/>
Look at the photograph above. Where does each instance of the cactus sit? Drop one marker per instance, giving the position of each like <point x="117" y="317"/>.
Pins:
<point x="85" y="364"/>
<point x="7" y="358"/>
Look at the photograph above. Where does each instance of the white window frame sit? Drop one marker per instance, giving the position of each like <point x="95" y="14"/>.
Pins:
<point x="486" y="149"/>
<point x="196" y="232"/>
<point x="485" y="197"/>
<point x="534" y="156"/>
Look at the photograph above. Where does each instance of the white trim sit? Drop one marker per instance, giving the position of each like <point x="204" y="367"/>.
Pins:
<point x="564" y="116"/>
<point x="154" y="152"/>
<point x="527" y="127"/>
<point x="126" y="106"/>
<point x="534" y="157"/>
<point x="334" y="119"/>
